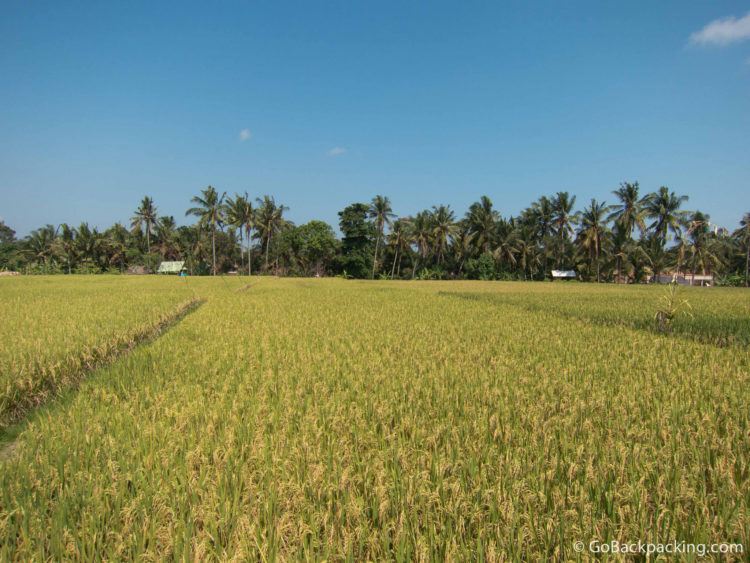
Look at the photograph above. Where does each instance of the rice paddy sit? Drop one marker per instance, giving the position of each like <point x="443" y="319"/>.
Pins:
<point x="343" y="420"/>
<point x="53" y="328"/>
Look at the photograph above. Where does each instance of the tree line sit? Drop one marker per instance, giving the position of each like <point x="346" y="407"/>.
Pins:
<point x="637" y="237"/>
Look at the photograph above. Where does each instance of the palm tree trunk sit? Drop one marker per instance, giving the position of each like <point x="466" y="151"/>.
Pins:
<point x="395" y="257"/>
<point x="242" y="254"/>
<point x="375" y="258"/>
<point x="249" y="256"/>
<point x="598" y="277"/>
<point x="619" y="267"/>
<point x="268" y="247"/>
<point x="213" y="248"/>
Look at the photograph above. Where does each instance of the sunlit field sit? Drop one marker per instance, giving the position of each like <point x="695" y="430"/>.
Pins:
<point x="353" y="420"/>
<point x="53" y="327"/>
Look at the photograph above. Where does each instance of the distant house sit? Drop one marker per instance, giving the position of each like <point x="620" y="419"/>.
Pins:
<point x="698" y="279"/>
<point x="685" y="279"/>
<point x="171" y="268"/>
<point x="563" y="274"/>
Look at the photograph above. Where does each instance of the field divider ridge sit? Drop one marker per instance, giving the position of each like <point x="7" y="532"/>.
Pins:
<point x="49" y="381"/>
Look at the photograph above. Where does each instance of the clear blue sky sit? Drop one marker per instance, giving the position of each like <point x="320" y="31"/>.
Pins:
<point x="430" y="102"/>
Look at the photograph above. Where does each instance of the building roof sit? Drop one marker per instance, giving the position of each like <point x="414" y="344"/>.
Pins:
<point x="683" y="279"/>
<point x="171" y="267"/>
<point x="563" y="273"/>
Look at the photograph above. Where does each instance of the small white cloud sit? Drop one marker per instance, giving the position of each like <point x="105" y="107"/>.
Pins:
<point x="723" y="31"/>
<point x="337" y="151"/>
<point x="245" y="134"/>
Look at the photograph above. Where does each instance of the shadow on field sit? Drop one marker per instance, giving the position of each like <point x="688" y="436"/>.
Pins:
<point x="717" y="332"/>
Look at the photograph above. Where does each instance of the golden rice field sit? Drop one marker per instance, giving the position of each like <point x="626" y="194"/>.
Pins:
<point x="344" y="420"/>
<point x="53" y="327"/>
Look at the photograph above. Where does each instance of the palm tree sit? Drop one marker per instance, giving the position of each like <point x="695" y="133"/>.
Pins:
<point x="421" y="236"/>
<point x="680" y="251"/>
<point x="210" y="213"/>
<point x="627" y="214"/>
<point x="638" y="256"/>
<point x="145" y="217"/>
<point x="240" y="214"/>
<point x="703" y="251"/>
<point x="88" y="245"/>
<point x="444" y="228"/>
<point x="592" y="230"/>
<point x="269" y="219"/>
<point x="544" y="214"/>
<point x="116" y="242"/>
<point x="481" y="219"/>
<point x="399" y="239"/>
<point x="526" y="251"/>
<point x="198" y="247"/>
<point x="233" y="210"/>
<point x="506" y="249"/>
<point x="539" y="217"/>
<point x="248" y="214"/>
<point x="40" y="244"/>
<point x="664" y="208"/>
<point x="381" y="211"/>
<point x="463" y="241"/>
<point x="166" y="234"/>
<point x="657" y="256"/>
<point x="743" y="237"/>
<point x="65" y="243"/>
<point x="563" y="220"/>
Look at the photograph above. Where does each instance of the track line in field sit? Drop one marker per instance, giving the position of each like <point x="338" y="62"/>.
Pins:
<point x="17" y="413"/>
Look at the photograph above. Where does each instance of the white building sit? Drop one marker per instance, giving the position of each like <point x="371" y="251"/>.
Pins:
<point x="563" y="274"/>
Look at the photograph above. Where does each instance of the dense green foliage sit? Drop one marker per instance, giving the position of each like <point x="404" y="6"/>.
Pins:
<point x="331" y="419"/>
<point x="636" y="239"/>
<point x="356" y="244"/>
